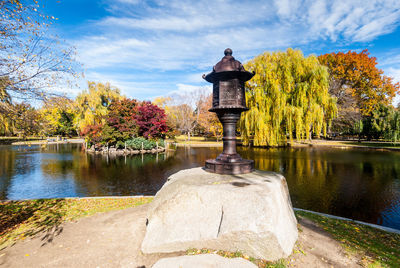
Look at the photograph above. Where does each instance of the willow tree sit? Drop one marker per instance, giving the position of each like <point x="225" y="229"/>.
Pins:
<point x="288" y="97"/>
<point x="91" y="106"/>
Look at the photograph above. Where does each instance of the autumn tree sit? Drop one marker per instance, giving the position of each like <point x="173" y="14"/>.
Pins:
<point x="120" y="123"/>
<point x="125" y="120"/>
<point x="209" y="121"/>
<point x="32" y="62"/>
<point x="358" y="85"/>
<point x="288" y="95"/>
<point x="91" y="106"/>
<point x="184" y="111"/>
<point x="5" y="109"/>
<point x="57" y="117"/>
<point x="25" y="119"/>
<point x="151" y="121"/>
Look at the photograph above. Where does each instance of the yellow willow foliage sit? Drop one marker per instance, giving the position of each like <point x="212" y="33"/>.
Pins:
<point x="91" y="106"/>
<point x="288" y="95"/>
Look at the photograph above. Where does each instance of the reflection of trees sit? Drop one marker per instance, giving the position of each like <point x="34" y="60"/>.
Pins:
<point x="355" y="183"/>
<point x="306" y="171"/>
<point x="367" y="187"/>
<point x="7" y="170"/>
<point x="15" y="162"/>
<point x="132" y="175"/>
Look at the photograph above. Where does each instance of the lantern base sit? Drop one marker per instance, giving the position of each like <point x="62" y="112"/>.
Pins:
<point x="229" y="168"/>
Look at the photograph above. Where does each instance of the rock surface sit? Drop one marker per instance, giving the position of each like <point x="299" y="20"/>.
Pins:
<point x="251" y="213"/>
<point x="203" y="261"/>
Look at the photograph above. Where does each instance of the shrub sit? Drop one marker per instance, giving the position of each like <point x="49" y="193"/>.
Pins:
<point x="136" y="143"/>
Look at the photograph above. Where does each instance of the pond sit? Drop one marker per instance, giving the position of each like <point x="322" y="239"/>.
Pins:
<point x="361" y="184"/>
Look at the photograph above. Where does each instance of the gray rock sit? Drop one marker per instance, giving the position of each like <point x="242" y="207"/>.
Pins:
<point x="203" y="261"/>
<point x="251" y="213"/>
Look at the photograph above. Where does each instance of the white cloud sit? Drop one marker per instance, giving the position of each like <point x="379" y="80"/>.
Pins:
<point x="393" y="72"/>
<point x="190" y="36"/>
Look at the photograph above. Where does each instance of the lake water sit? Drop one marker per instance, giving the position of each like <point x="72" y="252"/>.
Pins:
<point x="361" y="184"/>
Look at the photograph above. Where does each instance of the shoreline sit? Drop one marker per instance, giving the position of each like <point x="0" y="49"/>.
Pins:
<point x="45" y="142"/>
<point x="344" y="144"/>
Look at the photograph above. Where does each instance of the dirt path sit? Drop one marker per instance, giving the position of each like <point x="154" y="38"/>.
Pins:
<point x="113" y="239"/>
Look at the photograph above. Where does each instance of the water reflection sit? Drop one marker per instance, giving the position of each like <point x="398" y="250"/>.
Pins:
<point x="357" y="183"/>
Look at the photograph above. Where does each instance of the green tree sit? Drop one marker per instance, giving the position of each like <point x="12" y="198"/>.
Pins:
<point x="288" y="95"/>
<point x="58" y="117"/>
<point x="92" y="104"/>
<point x="383" y="122"/>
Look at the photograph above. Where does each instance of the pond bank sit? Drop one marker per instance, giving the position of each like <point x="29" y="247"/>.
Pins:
<point x="313" y="143"/>
<point x="46" y="142"/>
<point x="348" y="144"/>
<point x="115" y="151"/>
<point x="38" y="223"/>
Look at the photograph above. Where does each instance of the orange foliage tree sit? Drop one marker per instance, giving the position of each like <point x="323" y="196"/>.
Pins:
<point x="208" y="121"/>
<point x="358" y="84"/>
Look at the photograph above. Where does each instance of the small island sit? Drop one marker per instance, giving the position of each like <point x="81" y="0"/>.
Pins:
<point x="129" y="127"/>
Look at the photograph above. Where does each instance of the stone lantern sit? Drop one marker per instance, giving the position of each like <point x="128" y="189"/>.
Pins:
<point x="229" y="101"/>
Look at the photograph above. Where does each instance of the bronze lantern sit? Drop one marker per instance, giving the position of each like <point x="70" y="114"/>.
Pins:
<point x="229" y="101"/>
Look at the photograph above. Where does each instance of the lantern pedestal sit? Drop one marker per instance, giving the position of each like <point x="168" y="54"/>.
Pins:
<point x="229" y="161"/>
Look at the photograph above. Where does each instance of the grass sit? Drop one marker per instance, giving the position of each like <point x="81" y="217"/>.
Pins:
<point x="192" y="138"/>
<point x="196" y="141"/>
<point x="376" y="144"/>
<point x="259" y="262"/>
<point x="8" y="140"/>
<point x="22" y="219"/>
<point x="378" y="248"/>
<point x="372" y="144"/>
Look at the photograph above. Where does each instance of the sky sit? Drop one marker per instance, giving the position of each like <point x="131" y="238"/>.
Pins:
<point x="156" y="48"/>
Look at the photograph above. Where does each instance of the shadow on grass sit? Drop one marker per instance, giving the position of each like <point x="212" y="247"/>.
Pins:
<point x="42" y="215"/>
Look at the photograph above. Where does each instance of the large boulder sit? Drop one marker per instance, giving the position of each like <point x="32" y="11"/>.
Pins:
<point x="251" y="213"/>
<point x="203" y="261"/>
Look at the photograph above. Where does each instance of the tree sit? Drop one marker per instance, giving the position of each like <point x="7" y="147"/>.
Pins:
<point x="25" y="120"/>
<point x="184" y="111"/>
<point x="92" y="105"/>
<point x="121" y="121"/>
<point x="288" y="94"/>
<point x="209" y="121"/>
<point x="383" y="122"/>
<point x="151" y="121"/>
<point x="31" y="61"/>
<point x="58" y="117"/>
<point x="93" y="133"/>
<point x="5" y="108"/>
<point x="358" y="85"/>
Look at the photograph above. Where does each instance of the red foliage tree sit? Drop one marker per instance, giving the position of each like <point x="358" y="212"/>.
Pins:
<point x="151" y="120"/>
<point x="92" y="133"/>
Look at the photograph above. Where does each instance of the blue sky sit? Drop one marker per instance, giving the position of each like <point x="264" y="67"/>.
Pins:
<point x="153" y="48"/>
